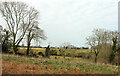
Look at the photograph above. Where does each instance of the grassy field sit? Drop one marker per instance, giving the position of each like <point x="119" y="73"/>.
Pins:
<point x="13" y="64"/>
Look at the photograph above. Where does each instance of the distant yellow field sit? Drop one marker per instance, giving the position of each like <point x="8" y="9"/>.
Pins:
<point x="84" y="50"/>
<point x="36" y="50"/>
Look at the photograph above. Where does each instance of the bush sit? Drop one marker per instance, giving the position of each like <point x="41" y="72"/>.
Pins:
<point x="40" y="53"/>
<point x="81" y="55"/>
<point x="69" y="55"/>
<point x="5" y="48"/>
<point x="88" y="55"/>
<point x="61" y="52"/>
<point x="52" y="52"/>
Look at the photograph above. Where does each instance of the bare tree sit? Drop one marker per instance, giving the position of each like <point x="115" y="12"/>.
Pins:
<point x="18" y="18"/>
<point x="34" y="33"/>
<point x="66" y="45"/>
<point x="95" y="41"/>
<point x="92" y="41"/>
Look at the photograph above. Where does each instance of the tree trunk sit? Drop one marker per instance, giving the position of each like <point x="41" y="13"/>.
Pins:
<point x="47" y="51"/>
<point x="28" y="48"/>
<point x="15" y="48"/>
<point x="111" y="57"/>
<point x="96" y="58"/>
<point x="28" y="42"/>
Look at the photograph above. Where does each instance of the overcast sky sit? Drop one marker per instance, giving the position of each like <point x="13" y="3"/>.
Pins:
<point x="73" y="20"/>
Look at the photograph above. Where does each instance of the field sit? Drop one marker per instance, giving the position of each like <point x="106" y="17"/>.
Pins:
<point x="36" y="50"/>
<point x="13" y="64"/>
<point x="55" y="64"/>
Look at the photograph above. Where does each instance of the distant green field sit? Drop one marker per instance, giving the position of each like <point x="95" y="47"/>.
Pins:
<point x="68" y="66"/>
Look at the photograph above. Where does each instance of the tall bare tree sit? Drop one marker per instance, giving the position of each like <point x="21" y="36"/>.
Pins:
<point x="34" y="34"/>
<point x="19" y="18"/>
<point x="33" y="31"/>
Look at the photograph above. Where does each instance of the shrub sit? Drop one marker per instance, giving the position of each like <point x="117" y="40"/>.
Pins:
<point x="5" y="48"/>
<point x="88" y="55"/>
<point x="68" y="54"/>
<point x="81" y="55"/>
<point x="40" y="53"/>
<point x="52" y="52"/>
